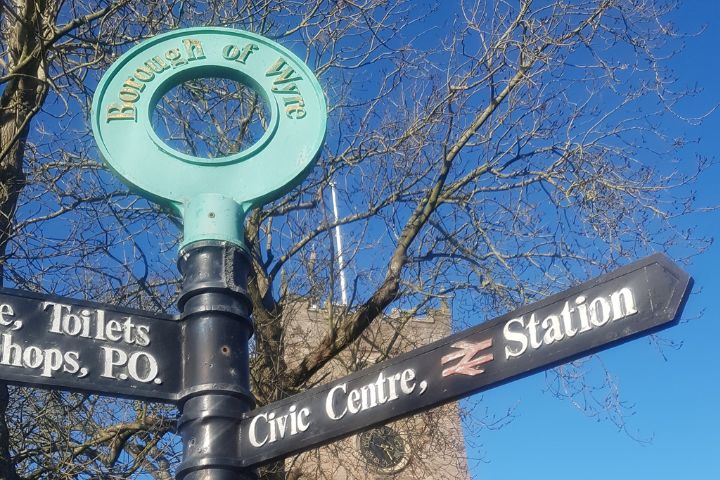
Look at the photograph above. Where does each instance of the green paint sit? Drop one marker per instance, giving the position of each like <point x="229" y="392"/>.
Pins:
<point x="213" y="195"/>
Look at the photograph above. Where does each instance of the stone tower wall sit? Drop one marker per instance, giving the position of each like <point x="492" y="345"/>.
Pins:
<point x="433" y="441"/>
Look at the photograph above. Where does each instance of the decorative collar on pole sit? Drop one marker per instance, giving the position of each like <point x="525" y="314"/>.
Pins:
<point x="212" y="195"/>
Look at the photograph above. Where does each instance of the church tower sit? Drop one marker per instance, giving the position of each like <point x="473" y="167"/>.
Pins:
<point x="427" y="446"/>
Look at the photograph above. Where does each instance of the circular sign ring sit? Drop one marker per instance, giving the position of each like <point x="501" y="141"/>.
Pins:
<point x="203" y="71"/>
<point x="130" y="90"/>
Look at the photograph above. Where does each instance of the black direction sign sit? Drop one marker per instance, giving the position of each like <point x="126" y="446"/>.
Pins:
<point x="53" y="342"/>
<point x="635" y="300"/>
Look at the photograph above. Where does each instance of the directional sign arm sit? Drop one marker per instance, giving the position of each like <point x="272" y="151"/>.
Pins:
<point x="637" y="299"/>
<point x="49" y="341"/>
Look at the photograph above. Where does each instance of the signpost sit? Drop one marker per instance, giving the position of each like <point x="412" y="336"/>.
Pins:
<point x="199" y="360"/>
<point x="213" y="196"/>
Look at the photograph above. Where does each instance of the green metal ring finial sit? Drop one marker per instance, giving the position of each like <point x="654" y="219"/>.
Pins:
<point x="213" y="195"/>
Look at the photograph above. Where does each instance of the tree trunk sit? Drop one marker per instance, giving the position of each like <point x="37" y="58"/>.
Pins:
<point x="21" y="99"/>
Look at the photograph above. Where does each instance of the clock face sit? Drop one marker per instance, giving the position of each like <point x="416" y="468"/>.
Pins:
<point x="384" y="449"/>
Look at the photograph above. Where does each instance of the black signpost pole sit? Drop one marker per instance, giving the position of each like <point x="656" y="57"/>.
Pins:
<point x="216" y="392"/>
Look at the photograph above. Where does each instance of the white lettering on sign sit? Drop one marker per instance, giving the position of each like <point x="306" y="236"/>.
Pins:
<point x="277" y="427"/>
<point x="138" y="366"/>
<point x="340" y="402"/>
<point x="47" y="360"/>
<point x="116" y="341"/>
<point x="575" y="318"/>
<point x="87" y="323"/>
<point x="6" y="310"/>
<point x="383" y="390"/>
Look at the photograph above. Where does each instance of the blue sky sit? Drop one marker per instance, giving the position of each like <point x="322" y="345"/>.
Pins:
<point x="675" y="394"/>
